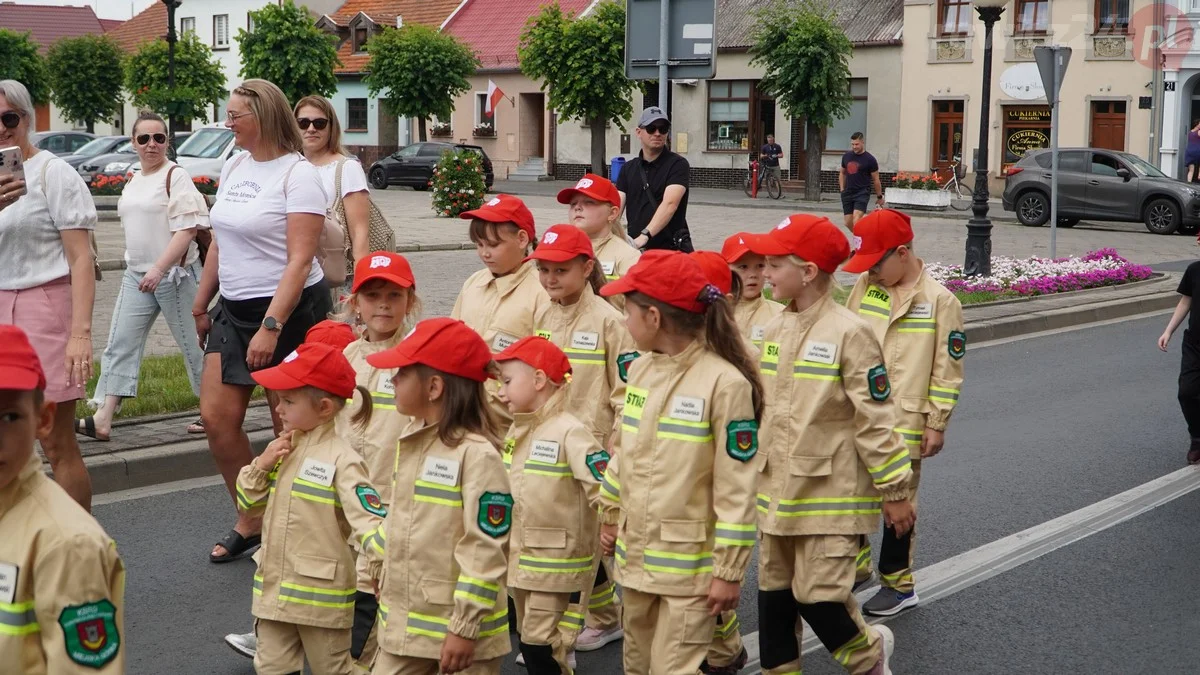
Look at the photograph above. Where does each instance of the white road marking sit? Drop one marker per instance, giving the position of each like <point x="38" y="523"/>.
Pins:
<point x="964" y="570"/>
<point x="1071" y="329"/>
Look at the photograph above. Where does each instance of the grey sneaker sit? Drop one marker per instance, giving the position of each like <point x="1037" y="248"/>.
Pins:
<point x="889" y="602"/>
<point x="245" y="644"/>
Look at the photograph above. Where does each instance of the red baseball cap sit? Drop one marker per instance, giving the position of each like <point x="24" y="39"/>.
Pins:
<point x="384" y="265"/>
<point x="594" y="187"/>
<point x="875" y="234"/>
<point x="20" y="367"/>
<point x="667" y="276"/>
<point x="444" y="344"/>
<point x="811" y="238"/>
<point x="539" y="353"/>
<point x="333" y="333"/>
<point x="313" y="364"/>
<point x="561" y="243"/>
<point x="504" y="209"/>
<point x="735" y="247"/>
<point x="715" y="269"/>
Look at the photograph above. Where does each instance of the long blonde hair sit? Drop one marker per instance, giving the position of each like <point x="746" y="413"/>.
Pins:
<point x="276" y="123"/>
<point x="334" y="143"/>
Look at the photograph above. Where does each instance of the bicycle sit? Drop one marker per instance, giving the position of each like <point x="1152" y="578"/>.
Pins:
<point x="765" y="179"/>
<point x="960" y="195"/>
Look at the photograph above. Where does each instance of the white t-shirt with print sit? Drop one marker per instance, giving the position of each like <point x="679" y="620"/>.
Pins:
<point x="354" y="179"/>
<point x="249" y="221"/>
<point x="151" y="218"/>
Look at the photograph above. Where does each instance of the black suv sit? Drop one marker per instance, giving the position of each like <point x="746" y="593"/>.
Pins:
<point x="413" y="165"/>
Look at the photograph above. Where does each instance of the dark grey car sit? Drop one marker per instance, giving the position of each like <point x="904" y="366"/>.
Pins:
<point x="1101" y="185"/>
<point x="96" y="147"/>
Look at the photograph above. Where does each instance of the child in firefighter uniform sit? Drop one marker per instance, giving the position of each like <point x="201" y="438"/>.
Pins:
<point x="557" y="465"/>
<point x="594" y="206"/>
<point x="677" y="497"/>
<point x="752" y="311"/>
<point x="920" y="325"/>
<point x="62" y="583"/>
<point x="314" y="495"/>
<point x="831" y="460"/>
<point x="442" y="603"/>
<point x="500" y="301"/>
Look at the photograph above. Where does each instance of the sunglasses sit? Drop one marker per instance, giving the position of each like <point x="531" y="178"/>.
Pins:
<point x="319" y="123"/>
<point x="663" y="129"/>
<point x="10" y="119"/>
<point x="143" y="139"/>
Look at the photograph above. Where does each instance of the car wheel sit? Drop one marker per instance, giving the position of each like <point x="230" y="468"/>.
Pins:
<point x="1162" y="216"/>
<point x="1033" y="209"/>
<point x="379" y="178"/>
<point x="1068" y="222"/>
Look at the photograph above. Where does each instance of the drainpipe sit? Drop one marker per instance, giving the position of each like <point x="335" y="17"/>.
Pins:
<point x="1153" y="154"/>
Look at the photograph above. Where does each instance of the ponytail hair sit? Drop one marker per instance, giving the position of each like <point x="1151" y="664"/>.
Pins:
<point x="362" y="418"/>
<point x="464" y="409"/>
<point x="735" y="288"/>
<point x="596" y="278"/>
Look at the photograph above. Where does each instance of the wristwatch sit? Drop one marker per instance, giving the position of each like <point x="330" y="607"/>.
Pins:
<point x="646" y="233"/>
<point x="271" y="324"/>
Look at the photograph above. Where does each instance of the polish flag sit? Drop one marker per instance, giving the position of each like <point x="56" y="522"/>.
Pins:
<point x="493" y="97"/>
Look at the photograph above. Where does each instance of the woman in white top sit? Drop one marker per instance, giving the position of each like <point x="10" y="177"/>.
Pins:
<point x="47" y="278"/>
<point x="160" y="210"/>
<point x="322" y="134"/>
<point x="266" y="223"/>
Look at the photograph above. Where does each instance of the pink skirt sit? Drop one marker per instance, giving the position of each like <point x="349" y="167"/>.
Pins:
<point x="44" y="313"/>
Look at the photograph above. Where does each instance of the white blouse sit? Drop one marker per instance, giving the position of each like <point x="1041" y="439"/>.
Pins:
<point x="150" y="218"/>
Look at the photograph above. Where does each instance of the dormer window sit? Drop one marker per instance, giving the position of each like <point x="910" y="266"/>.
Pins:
<point x="361" y="34"/>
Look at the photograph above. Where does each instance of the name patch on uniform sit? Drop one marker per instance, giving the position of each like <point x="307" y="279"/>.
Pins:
<point x="90" y="634"/>
<point x="584" y="340"/>
<point x="820" y="352"/>
<point x="607" y="266"/>
<point x="495" y="513"/>
<point x="687" y="408"/>
<point x="441" y="471"/>
<point x="741" y="439"/>
<point x="502" y="342"/>
<point x="757" y="333"/>
<point x="545" y="451"/>
<point x="8" y="582"/>
<point x="320" y="473"/>
<point x="370" y="500"/>
<point x="385" y="385"/>
<point x="920" y="310"/>
<point x="623" y="362"/>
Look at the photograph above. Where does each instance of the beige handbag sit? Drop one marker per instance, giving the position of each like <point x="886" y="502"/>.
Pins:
<point x="379" y="234"/>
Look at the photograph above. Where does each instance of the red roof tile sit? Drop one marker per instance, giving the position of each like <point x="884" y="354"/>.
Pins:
<point x="493" y="29"/>
<point x="111" y="24"/>
<point x="147" y="25"/>
<point x="384" y="12"/>
<point x="48" y="24"/>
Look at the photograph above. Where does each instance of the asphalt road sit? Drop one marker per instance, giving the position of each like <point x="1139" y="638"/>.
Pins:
<point x="1046" y="426"/>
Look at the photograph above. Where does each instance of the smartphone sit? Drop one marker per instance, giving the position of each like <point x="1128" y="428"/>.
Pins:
<point x="12" y="163"/>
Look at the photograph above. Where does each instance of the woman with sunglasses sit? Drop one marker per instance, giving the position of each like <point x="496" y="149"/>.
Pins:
<point x="47" y="277"/>
<point x="160" y="210"/>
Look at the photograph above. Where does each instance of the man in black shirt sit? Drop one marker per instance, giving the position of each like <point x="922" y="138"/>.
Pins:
<point x="769" y="157"/>
<point x="1189" y="369"/>
<point x="859" y="175"/>
<point x="654" y="188"/>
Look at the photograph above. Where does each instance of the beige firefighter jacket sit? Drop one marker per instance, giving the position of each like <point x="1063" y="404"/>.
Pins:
<point x="752" y="317"/>
<point x="921" y="329"/>
<point x="62" y="583"/>
<point x="377" y="441"/>
<point x="615" y="256"/>
<point x="830" y="449"/>
<point x="681" y="482"/>
<point x="447" y="539"/>
<point x="318" y="506"/>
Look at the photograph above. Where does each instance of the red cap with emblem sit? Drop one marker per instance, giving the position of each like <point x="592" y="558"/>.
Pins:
<point x="593" y="187"/>
<point x="384" y="265"/>
<point x="813" y="239"/>
<point x="504" y="209"/>
<point x="667" y="276"/>
<point x="541" y="354"/>
<point x="561" y="243"/>
<point x="313" y="364"/>
<point x="875" y="234"/>
<point x="735" y="247"/>
<point x="20" y="367"/>
<point x="715" y="269"/>
<point x="333" y="333"/>
<point x="444" y="344"/>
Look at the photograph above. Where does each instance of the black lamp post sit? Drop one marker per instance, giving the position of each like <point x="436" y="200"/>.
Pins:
<point x="172" y="38"/>
<point x="979" y="228"/>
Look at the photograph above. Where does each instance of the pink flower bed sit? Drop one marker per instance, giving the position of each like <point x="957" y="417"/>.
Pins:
<point x="1040" y="276"/>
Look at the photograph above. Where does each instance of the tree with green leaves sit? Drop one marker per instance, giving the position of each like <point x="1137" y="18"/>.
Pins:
<point x="20" y="61"/>
<point x="805" y="56"/>
<point x="418" y="72"/>
<point x="287" y="48"/>
<point x="581" y="63"/>
<point x="86" y="78"/>
<point x="199" y="78"/>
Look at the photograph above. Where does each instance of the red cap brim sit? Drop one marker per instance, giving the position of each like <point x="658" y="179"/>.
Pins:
<point x="736" y="253"/>
<point x="765" y="244"/>
<point x="861" y="262"/>
<point x="19" y="379"/>
<point x="391" y="358"/>
<point x="617" y="287"/>
<point x="552" y="255"/>
<point x="276" y="380"/>
<point x="394" y="278"/>
<point x="565" y="195"/>
<point x="490" y="215"/>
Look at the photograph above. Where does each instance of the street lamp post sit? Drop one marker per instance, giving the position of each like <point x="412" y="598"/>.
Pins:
<point x="172" y="5"/>
<point x="979" y="228"/>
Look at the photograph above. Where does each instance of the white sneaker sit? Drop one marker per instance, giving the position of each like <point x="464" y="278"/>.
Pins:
<point x="245" y="644"/>
<point x="570" y="660"/>
<point x="889" y="646"/>
<point x="590" y="639"/>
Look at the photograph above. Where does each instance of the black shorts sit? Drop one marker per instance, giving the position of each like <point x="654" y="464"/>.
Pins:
<point x="234" y="323"/>
<point x="855" y="201"/>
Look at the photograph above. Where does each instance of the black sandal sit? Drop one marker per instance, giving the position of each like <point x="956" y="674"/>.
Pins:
<point x="87" y="427"/>
<point x="236" y="546"/>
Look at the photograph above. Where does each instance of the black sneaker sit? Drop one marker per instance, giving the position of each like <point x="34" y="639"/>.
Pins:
<point x="731" y="669"/>
<point x="1193" y="456"/>
<point x="889" y="602"/>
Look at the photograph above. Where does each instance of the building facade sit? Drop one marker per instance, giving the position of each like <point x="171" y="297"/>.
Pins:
<point x="1177" y="22"/>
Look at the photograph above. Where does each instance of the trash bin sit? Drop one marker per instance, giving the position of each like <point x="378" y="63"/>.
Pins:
<point x="614" y="169"/>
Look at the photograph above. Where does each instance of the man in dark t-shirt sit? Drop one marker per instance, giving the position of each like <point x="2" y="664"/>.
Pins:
<point x="654" y="188"/>
<point x="1189" y="369"/>
<point x="858" y="176"/>
<point x="769" y="156"/>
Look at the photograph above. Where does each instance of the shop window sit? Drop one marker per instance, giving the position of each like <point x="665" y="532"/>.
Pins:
<point x="837" y="136"/>
<point x="729" y="114"/>
<point x="1025" y="129"/>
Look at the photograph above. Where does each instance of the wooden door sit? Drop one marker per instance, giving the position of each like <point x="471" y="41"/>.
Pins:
<point x="1108" y="125"/>
<point x="946" y="137"/>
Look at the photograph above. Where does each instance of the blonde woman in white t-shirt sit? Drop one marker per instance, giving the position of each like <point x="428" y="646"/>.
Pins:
<point x="162" y="270"/>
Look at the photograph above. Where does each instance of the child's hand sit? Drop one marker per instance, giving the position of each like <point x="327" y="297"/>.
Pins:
<point x="1163" y="340"/>
<point x="900" y="516"/>
<point x="276" y="450"/>
<point x="723" y="596"/>
<point x="457" y="653"/>
<point x="931" y="442"/>
<point x="608" y="539"/>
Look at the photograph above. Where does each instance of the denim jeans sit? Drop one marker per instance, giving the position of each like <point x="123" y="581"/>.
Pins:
<point x="133" y="317"/>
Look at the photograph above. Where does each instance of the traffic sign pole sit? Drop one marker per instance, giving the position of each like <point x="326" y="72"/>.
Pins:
<point x="1052" y="65"/>
<point x="664" y="37"/>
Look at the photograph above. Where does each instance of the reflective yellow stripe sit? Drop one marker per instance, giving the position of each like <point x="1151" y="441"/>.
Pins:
<point x="429" y="626"/>
<point x="828" y="506"/>
<point x="910" y="436"/>
<point x="635" y="401"/>
<point x="917" y="326"/>
<point x="555" y="565"/>
<point x="18" y="619"/>
<point x="610" y="488"/>
<point x="876" y="303"/>
<point x="571" y="621"/>
<point x="769" y="365"/>
<point x="375" y="539"/>
<point x="604" y="598"/>
<point x="432" y="493"/>
<point x="677" y="563"/>
<point x="477" y="590"/>
<point x="383" y="615"/>
<point x="723" y="631"/>
<point x="381" y="400"/>
<point x="763" y="503"/>
<point x="811" y="370"/>
<point x="943" y="395"/>
<point x="585" y="357"/>
<point x="558" y="470"/>
<point x="692" y="432"/>
<point x="619" y="552"/>
<point x="244" y="500"/>
<point x="734" y="534"/>
<point x="842" y="654"/>
<point x="316" y="597"/>
<point x="896" y="465"/>
<point x="494" y="624"/>
<point x="315" y="493"/>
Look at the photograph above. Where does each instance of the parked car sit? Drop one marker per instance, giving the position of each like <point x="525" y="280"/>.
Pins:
<point x="61" y="142"/>
<point x="115" y="163"/>
<point x="1104" y="185"/>
<point x="413" y="165"/>
<point x="204" y="151"/>
<point x="97" y="146"/>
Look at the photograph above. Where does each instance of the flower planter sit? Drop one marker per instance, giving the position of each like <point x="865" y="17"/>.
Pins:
<point x="927" y="200"/>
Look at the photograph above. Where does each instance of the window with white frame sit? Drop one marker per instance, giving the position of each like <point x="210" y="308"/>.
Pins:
<point x="837" y="136"/>
<point x="221" y="31"/>
<point x="481" y="112"/>
<point x="187" y="25"/>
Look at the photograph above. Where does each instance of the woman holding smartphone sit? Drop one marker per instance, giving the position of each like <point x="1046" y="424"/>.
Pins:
<point x="48" y="278"/>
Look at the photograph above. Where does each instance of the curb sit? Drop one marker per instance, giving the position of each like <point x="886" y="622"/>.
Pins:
<point x="1095" y="312"/>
